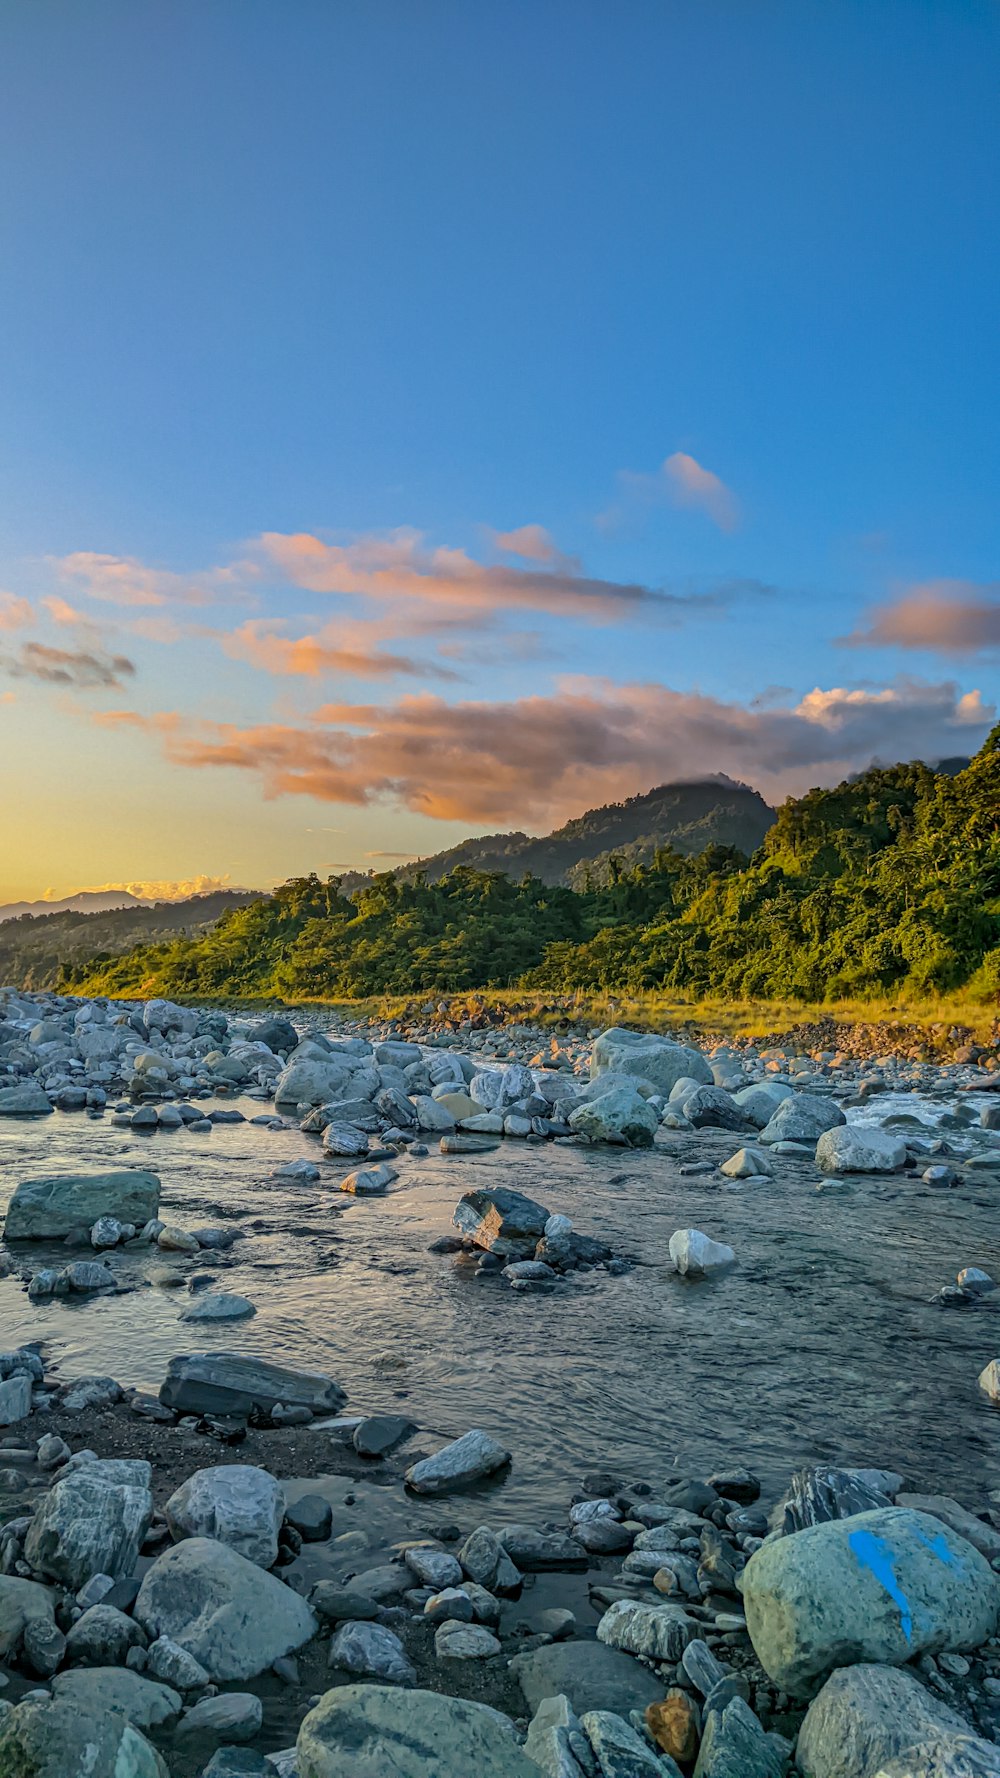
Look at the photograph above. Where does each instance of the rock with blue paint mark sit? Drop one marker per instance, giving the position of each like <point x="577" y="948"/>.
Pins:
<point x="879" y="1586"/>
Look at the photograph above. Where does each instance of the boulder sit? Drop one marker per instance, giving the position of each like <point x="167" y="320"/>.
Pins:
<point x="882" y="1586"/>
<point x="590" y="1675"/>
<point x="760" y="1101"/>
<point x="735" y="1745"/>
<point x="694" y="1255"/>
<point x="619" y="1750"/>
<point x="93" y="1521"/>
<point x="361" y="1731"/>
<point x="22" y="1602"/>
<point x="145" y="1703"/>
<point x="802" y="1118"/>
<point x="556" y="1740"/>
<point x="232" y="1716"/>
<point x="65" y="1738"/>
<point x="747" y="1163"/>
<point x="621" y="1117"/>
<point x="15" y="1399"/>
<point x="229" y="1383"/>
<point x="659" y="1632"/>
<point x="855" y="1148"/>
<point x="365" y="1181"/>
<point x="27" y="1100"/>
<point x="237" y="1504"/>
<point x="501" y="1221"/>
<point x="55" y="1205"/>
<point x="711" y="1108"/>
<point x="655" y="1059"/>
<point x="465" y="1460"/>
<point x="312" y="1081"/>
<point x="102" y="1637"/>
<point x="868" y="1716"/>
<point x="373" y="1651"/>
<point x="235" y="1619"/>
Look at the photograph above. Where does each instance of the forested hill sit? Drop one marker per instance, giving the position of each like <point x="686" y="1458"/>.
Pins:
<point x="888" y="882"/>
<point x="35" y="947"/>
<point x="707" y="812"/>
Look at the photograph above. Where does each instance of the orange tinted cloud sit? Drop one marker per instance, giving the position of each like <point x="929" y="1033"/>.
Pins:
<point x="15" y="612"/>
<point x="532" y="542"/>
<point x="337" y="648"/>
<point x="537" y="760"/>
<point x="400" y="566"/>
<point x="62" y="613"/>
<point x="681" y="481"/>
<point x="122" y="580"/>
<point x="942" y="616"/>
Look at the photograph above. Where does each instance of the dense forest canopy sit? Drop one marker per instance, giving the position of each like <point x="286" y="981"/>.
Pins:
<point x="888" y="882"/>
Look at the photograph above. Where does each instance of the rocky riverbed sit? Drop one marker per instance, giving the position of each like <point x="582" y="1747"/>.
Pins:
<point x="362" y="1378"/>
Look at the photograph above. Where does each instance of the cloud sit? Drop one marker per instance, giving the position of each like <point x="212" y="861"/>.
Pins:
<point x="401" y="566"/>
<point x="337" y="648"/>
<point x="537" y="760"/>
<point x="680" y="481"/>
<point x="86" y="669"/>
<point x="157" y="890"/>
<point x="123" y="580"/>
<point x="531" y="542"/>
<point x="15" y="612"/>
<point x="959" y="617"/>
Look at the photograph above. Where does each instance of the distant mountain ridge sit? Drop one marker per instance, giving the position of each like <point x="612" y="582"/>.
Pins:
<point x="86" y="901"/>
<point x="36" y="942"/>
<point x="687" y="816"/>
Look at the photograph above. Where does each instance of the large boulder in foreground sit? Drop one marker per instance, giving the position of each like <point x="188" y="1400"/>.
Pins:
<point x="56" y="1205"/>
<point x="229" y="1383"/>
<point x="65" y="1738"/>
<point x="92" y="1522"/>
<point x="866" y="1717"/>
<point x="502" y="1221"/>
<point x="369" y="1731"/>
<point x="235" y="1619"/>
<point x="853" y="1148"/>
<point x="237" y="1504"/>
<point x="656" y="1059"/>
<point x="880" y="1586"/>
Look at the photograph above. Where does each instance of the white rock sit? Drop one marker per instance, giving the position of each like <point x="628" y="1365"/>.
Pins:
<point x="694" y="1255"/>
<point x="237" y="1504"/>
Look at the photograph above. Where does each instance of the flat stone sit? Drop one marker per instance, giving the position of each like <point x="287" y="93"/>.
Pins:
<point x="232" y="1716"/>
<point x="219" y="1305"/>
<point x="381" y="1433"/>
<point x="591" y="1675"/>
<point x="230" y="1383"/>
<point x="53" y="1206"/>
<point x="361" y="1731"/>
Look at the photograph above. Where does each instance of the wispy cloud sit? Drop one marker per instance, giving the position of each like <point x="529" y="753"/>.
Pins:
<point x="401" y="566"/>
<point x="960" y="617"/>
<point x="531" y="542"/>
<point x="123" y="580"/>
<point x="336" y="648"/>
<point x="86" y="669"/>
<point x="679" y="481"/>
<point x="537" y="760"/>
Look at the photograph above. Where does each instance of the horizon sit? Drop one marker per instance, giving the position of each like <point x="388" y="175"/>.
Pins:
<point x="419" y="428"/>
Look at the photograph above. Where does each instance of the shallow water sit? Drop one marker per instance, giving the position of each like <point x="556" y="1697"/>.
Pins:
<point x="821" y="1347"/>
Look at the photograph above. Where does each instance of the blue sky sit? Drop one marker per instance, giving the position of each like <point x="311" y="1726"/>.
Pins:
<point x="693" y="300"/>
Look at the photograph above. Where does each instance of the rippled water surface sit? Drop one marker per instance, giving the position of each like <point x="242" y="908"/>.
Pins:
<point x="821" y="1346"/>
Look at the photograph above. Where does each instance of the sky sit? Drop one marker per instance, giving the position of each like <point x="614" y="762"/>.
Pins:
<point x="422" y="420"/>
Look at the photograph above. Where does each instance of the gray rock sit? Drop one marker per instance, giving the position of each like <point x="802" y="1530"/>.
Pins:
<point x="734" y="1745"/>
<point x="93" y="1521"/>
<point x="747" y="1163"/>
<point x="619" y="1751"/>
<point x="655" y="1059"/>
<point x="55" y="1205"/>
<point x="711" y="1108"/>
<point x="452" y="1604"/>
<point x="867" y="1716"/>
<point x="621" y="1116"/>
<point x="311" y="1516"/>
<point x="433" y="1567"/>
<point x="535" y="1551"/>
<point x="802" y="1118"/>
<point x="591" y="1675"/>
<point x="15" y="1399"/>
<point x="381" y="1433"/>
<point x="485" y="1560"/>
<point x="44" y="1648"/>
<point x="952" y="1756"/>
<point x="167" y="1661"/>
<point x="881" y="1586"/>
<point x="360" y="1731"/>
<point x="816" y="1495"/>
<point x="501" y="1221"/>
<point x="855" y="1148"/>
<point x="144" y="1702"/>
<point x="235" y="1619"/>
<point x="219" y="1305"/>
<point x="22" y="1602"/>
<point x="695" y="1255"/>
<point x="761" y="1100"/>
<point x="458" y="1641"/>
<point x="372" y="1650"/>
<point x="238" y="1504"/>
<point x="63" y="1738"/>
<point x="232" y="1716"/>
<point x="465" y="1460"/>
<point x="229" y="1383"/>
<point x="659" y="1632"/>
<point x="102" y="1637"/>
<point x="24" y="1101"/>
<point x="984" y="1538"/>
<point x="365" y="1181"/>
<point x="556" y="1740"/>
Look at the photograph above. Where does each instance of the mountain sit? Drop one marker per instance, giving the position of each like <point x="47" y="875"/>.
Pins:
<point x="44" y="938"/>
<point x="688" y="817"/>
<point x="88" y="901"/>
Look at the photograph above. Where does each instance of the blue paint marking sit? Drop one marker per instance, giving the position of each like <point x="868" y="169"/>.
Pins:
<point x="938" y="1546"/>
<point x="873" y="1553"/>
